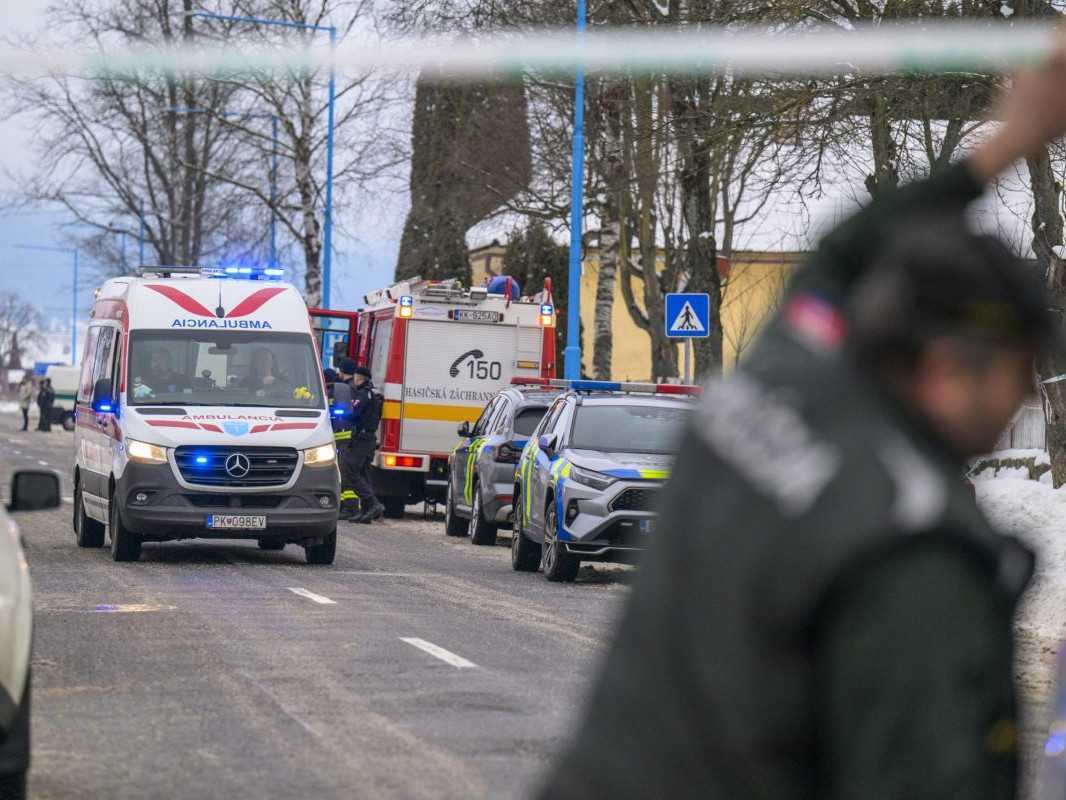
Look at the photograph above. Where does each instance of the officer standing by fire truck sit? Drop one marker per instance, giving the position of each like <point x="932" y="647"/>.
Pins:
<point x="357" y="441"/>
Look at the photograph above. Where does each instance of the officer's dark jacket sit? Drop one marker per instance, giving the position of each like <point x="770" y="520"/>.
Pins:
<point x="366" y="408"/>
<point x="825" y="613"/>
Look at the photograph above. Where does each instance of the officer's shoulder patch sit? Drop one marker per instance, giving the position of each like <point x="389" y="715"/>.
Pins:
<point x="767" y="440"/>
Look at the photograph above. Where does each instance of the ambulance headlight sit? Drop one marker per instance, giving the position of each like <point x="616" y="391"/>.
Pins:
<point x="323" y="456"/>
<point x="145" y="453"/>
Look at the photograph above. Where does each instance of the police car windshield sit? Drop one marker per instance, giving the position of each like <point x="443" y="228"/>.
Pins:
<point x="223" y="368"/>
<point x="616" y="428"/>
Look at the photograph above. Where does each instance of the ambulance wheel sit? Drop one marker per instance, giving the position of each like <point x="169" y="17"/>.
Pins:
<point x="272" y="544"/>
<point x="559" y="566"/>
<point x="394" y="507"/>
<point x="125" y="545"/>
<point x="454" y="525"/>
<point x="481" y="531"/>
<point x="87" y="531"/>
<point x="322" y="553"/>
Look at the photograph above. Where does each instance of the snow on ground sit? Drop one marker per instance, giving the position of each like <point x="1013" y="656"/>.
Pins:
<point x="9" y="407"/>
<point x="1036" y="513"/>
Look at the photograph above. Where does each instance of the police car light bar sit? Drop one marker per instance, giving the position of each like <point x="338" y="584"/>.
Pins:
<point x="611" y="386"/>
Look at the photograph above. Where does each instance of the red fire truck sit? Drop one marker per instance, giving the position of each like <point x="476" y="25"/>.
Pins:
<point x="438" y="352"/>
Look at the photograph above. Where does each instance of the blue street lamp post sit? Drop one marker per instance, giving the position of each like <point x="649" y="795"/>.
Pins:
<point x="572" y="358"/>
<point x="327" y="244"/>
<point x="273" y="166"/>
<point x="74" y="287"/>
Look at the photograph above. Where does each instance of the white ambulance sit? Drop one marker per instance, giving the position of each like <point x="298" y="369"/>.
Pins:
<point x="439" y="353"/>
<point x="201" y="413"/>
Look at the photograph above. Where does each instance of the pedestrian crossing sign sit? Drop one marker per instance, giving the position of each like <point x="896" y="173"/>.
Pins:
<point x="688" y="316"/>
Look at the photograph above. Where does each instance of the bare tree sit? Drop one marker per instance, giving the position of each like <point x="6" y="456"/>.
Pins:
<point x="366" y="146"/>
<point x="20" y="324"/>
<point x="127" y="156"/>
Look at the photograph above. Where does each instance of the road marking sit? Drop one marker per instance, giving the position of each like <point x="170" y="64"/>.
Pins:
<point x="68" y="499"/>
<point x="43" y="463"/>
<point x="17" y="452"/>
<point x="130" y="608"/>
<point x="317" y="598"/>
<point x="446" y="656"/>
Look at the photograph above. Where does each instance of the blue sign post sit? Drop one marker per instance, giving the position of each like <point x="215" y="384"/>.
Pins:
<point x="688" y="317"/>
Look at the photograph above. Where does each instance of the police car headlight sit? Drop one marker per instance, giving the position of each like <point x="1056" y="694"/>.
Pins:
<point x="323" y="456"/>
<point x="145" y="453"/>
<point x="593" y="480"/>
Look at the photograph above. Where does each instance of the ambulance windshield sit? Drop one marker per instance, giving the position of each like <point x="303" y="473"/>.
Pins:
<point x="223" y="368"/>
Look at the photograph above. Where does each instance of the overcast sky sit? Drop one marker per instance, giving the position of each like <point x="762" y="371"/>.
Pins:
<point x="362" y="264"/>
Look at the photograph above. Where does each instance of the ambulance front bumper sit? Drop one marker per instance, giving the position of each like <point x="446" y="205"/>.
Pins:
<point x="155" y="507"/>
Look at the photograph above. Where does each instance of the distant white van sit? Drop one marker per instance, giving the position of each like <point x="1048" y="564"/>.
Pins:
<point x="65" y="385"/>
<point x="201" y="413"/>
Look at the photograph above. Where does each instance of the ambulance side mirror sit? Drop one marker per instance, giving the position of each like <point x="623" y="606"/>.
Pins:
<point x="103" y="402"/>
<point x="464" y="430"/>
<point x="547" y="443"/>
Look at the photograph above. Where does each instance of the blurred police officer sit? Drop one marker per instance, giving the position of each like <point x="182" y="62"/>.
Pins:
<point x="358" y="503"/>
<point x="825" y="613"/>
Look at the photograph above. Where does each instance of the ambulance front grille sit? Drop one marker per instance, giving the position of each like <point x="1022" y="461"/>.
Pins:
<point x="206" y="466"/>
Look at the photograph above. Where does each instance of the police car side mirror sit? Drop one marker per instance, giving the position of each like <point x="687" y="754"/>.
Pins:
<point x="547" y="443"/>
<point x="464" y="430"/>
<point x="102" y="401"/>
<point x="34" y="490"/>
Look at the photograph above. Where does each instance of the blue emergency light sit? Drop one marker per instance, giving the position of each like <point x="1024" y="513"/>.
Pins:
<point x="201" y="459"/>
<point x="103" y="408"/>
<point x="247" y="273"/>
<point x="338" y="411"/>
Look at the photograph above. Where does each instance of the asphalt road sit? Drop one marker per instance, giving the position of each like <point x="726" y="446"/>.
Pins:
<point x="214" y="670"/>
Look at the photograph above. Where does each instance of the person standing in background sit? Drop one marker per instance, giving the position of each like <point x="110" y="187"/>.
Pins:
<point x="46" y="398"/>
<point x="25" y="397"/>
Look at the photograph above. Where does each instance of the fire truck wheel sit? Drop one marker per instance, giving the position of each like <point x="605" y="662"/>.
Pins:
<point x="481" y="531"/>
<point x="454" y="525"/>
<point x="394" y="507"/>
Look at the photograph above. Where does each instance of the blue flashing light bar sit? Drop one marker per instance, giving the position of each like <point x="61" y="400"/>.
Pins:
<point x="103" y="408"/>
<point x="338" y="411"/>
<point x="611" y="386"/>
<point x="247" y="273"/>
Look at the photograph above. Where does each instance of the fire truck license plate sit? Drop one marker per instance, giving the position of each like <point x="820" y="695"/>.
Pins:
<point x="473" y="315"/>
<point x="251" y="522"/>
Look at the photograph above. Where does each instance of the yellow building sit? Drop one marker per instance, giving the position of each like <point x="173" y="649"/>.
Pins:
<point x="753" y="283"/>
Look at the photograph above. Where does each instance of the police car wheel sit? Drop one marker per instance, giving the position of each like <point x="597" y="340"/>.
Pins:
<point x="125" y="545"/>
<point x="87" y="531"/>
<point x="322" y="553"/>
<point x="559" y="566"/>
<point x="453" y="524"/>
<point x="271" y="544"/>
<point x="482" y="532"/>
<point x="525" y="555"/>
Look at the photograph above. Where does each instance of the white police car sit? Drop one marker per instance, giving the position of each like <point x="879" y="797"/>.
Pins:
<point x="588" y="480"/>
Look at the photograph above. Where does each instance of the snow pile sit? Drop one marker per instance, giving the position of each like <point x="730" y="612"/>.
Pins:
<point x="9" y="407"/>
<point x="1036" y="513"/>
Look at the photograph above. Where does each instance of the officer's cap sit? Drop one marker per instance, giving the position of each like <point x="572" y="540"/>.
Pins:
<point x="347" y="366"/>
<point x="939" y="278"/>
